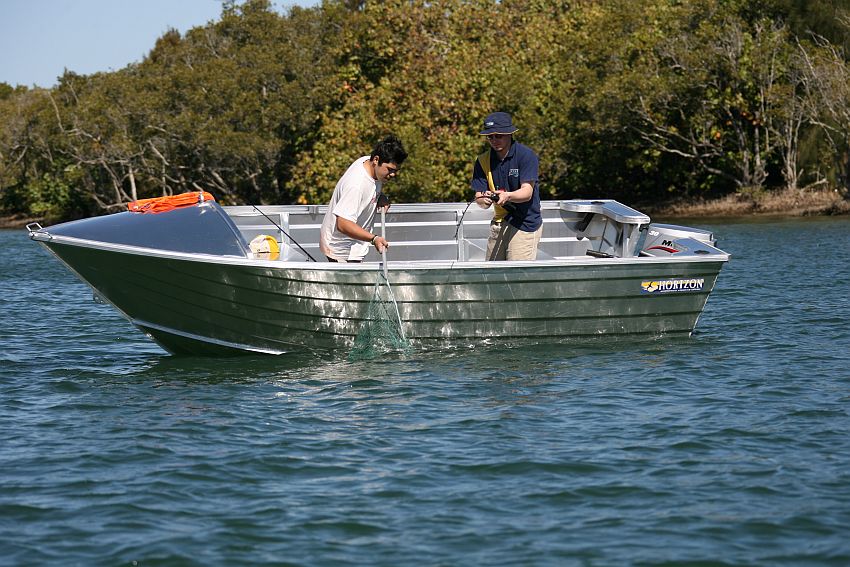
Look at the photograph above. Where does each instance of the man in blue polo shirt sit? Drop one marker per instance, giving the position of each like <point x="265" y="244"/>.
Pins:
<point x="506" y="176"/>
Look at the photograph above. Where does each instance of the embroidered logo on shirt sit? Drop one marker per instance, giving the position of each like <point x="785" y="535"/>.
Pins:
<point x="513" y="173"/>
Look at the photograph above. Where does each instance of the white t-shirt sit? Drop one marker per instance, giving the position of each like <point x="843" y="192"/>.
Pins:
<point x="355" y="198"/>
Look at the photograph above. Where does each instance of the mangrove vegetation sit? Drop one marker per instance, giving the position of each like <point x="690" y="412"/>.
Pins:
<point x="648" y="102"/>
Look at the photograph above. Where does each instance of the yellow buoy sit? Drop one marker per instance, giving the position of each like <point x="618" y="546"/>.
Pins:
<point x="265" y="247"/>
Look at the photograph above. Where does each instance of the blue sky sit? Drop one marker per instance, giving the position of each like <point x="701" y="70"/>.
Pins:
<point x="39" y="39"/>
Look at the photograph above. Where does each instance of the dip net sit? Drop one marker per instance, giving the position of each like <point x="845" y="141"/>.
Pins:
<point x="380" y="332"/>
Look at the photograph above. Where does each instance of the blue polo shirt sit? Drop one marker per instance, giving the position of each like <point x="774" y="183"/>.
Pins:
<point x="519" y="166"/>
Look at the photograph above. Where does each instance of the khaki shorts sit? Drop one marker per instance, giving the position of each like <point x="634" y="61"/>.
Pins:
<point x="509" y="243"/>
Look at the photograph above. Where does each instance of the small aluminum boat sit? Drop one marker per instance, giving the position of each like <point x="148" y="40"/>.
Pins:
<point x="188" y="277"/>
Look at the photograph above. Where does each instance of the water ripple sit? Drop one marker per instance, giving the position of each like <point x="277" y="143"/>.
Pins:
<point x="726" y="448"/>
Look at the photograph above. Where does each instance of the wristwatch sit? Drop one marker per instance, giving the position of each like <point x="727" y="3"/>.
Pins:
<point x="374" y="238"/>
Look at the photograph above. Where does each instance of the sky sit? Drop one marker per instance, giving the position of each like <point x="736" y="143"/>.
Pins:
<point x="39" y="39"/>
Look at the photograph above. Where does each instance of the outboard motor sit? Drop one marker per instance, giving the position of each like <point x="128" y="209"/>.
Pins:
<point x="669" y="239"/>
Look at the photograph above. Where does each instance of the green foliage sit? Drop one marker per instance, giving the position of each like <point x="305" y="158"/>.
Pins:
<point x="826" y="18"/>
<point x="6" y="90"/>
<point x="677" y="99"/>
<point x="51" y="197"/>
<point x="436" y="80"/>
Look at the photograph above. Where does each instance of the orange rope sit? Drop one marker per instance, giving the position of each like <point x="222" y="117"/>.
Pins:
<point x="164" y="204"/>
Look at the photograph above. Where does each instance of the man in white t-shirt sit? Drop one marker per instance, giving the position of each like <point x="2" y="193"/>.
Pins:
<point x="347" y="227"/>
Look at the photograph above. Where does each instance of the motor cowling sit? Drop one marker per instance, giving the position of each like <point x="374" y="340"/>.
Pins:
<point x="669" y="239"/>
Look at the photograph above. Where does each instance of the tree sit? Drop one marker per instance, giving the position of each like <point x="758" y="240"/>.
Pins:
<point x="705" y="88"/>
<point x="826" y="80"/>
<point x="676" y="100"/>
<point x="427" y="71"/>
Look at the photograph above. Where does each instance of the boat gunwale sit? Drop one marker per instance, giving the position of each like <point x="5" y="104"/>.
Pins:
<point x="44" y="237"/>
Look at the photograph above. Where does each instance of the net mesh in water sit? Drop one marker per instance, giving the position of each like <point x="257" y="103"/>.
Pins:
<point x="380" y="333"/>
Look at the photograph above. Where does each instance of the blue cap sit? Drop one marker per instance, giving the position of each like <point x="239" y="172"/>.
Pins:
<point x="498" y="123"/>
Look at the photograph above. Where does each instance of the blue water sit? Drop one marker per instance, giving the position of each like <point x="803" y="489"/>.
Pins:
<point x="731" y="447"/>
